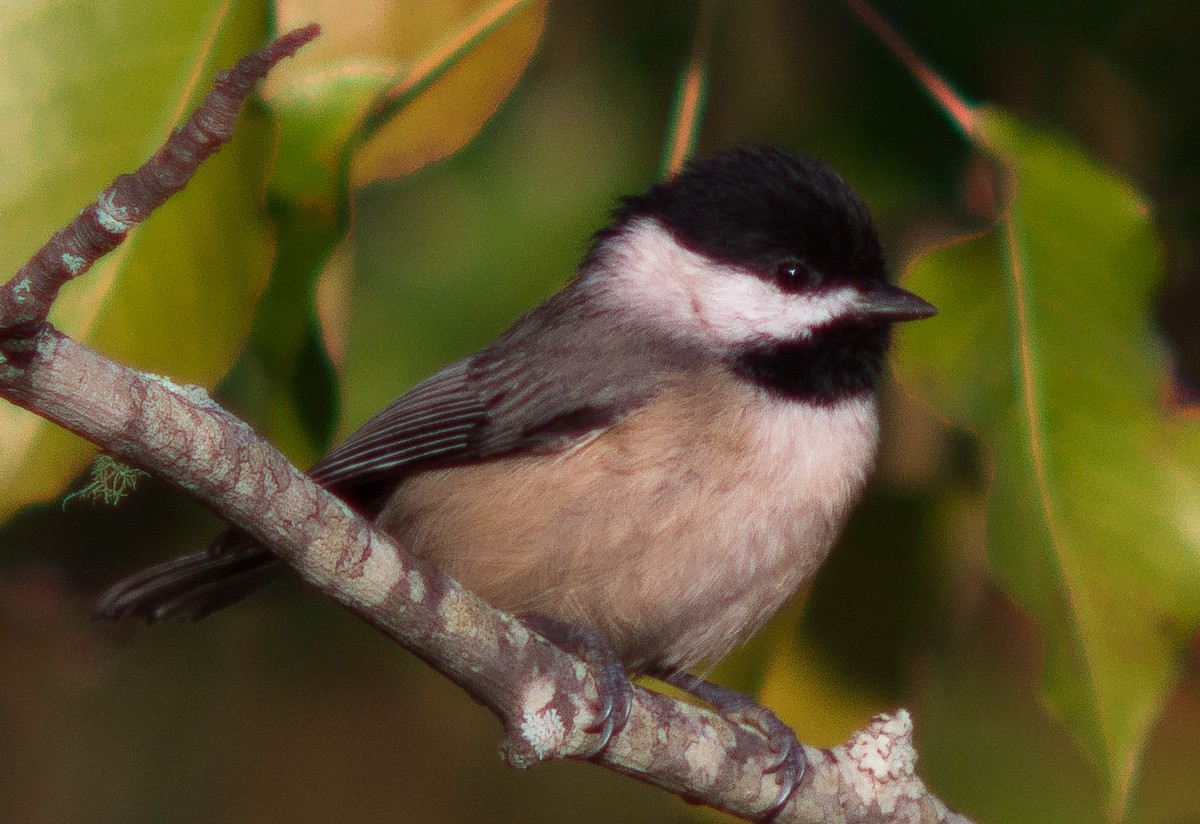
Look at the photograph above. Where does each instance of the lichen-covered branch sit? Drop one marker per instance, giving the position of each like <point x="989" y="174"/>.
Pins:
<point x="546" y="698"/>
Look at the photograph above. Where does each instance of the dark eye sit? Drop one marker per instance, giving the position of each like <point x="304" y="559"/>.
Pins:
<point x="796" y="276"/>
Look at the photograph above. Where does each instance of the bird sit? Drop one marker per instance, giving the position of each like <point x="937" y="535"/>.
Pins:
<point x="662" y="453"/>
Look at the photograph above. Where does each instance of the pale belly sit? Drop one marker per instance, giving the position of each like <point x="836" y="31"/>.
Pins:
<point x="676" y="533"/>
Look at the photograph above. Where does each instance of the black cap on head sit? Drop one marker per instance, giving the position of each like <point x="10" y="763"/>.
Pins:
<point x="758" y="205"/>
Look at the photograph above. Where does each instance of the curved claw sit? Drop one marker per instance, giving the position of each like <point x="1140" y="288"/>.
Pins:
<point x="790" y="766"/>
<point x="616" y="697"/>
<point x="744" y="711"/>
<point x="614" y="691"/>
<point x="789" y="763"/>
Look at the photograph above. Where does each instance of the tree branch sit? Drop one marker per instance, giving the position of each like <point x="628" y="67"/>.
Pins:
<point x="545" y="698"/>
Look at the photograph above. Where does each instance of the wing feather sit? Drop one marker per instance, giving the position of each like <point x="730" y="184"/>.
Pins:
<point x="545" y="385"/>
<point x="438" y="418"/>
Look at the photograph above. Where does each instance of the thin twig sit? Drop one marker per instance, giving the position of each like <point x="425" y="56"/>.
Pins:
<point x="26" y="299"/>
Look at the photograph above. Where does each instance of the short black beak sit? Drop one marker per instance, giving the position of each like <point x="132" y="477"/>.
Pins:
<point x="891" y="304"/>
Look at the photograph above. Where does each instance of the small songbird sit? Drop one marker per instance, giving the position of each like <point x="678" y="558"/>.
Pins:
<point x="663" y="452"/>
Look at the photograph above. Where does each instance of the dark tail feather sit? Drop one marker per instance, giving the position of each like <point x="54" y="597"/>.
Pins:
<point x="191" y="587"/>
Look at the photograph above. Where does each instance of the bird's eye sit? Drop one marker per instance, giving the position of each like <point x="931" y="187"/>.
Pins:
<point x="796" y="276"/>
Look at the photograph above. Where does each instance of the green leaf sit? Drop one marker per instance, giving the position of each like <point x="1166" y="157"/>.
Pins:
<point x="1044" y="349"/>
<point x="86" y="94"/>
<point x="309" y="200"/>
<point x="373" y="97"/>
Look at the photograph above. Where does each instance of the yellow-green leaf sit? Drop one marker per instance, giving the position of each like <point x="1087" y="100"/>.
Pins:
<point x="384" y="90"/>
<point x="463" y="57"/>
<point x="1044" y="349"/>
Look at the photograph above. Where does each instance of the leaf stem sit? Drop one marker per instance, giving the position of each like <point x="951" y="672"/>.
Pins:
<point x="690" y="95"/>
<point x="961" y="113"/>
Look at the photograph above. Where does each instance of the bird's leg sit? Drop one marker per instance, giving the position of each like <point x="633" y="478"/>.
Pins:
<point x="744" y="711"/>
<point x="614" y="691"/>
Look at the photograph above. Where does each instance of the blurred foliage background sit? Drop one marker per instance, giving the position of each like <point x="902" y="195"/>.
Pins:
<point x="287" y="709"/>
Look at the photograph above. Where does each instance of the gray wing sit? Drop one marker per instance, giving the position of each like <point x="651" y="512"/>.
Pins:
<point x="561" y="373"/>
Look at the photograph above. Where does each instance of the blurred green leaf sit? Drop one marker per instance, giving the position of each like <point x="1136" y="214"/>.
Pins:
<point x="1044" y="350"/>
<point x="384" y="91"/>
<point x="309" y="201"/>
<point x="89" y="92"/>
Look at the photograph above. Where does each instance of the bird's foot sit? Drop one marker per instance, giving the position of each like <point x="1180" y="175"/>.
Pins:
<point x="788" y="762"/>
<point x="614" y="692"/>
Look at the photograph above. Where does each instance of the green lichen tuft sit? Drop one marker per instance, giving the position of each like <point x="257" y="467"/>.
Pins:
<point x="110" y="482"/>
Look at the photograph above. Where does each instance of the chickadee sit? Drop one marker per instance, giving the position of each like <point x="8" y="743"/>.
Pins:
<point x="663" y="452"/>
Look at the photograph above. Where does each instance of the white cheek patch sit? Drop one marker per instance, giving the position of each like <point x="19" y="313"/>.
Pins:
<point x="746" y="308"/>
<point x="652" y="273"/>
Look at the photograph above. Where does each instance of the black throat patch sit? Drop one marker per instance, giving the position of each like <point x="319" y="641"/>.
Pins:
<point x="839" y="361"/>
